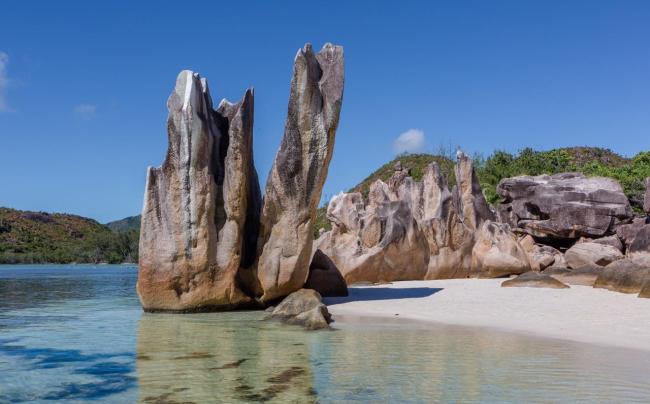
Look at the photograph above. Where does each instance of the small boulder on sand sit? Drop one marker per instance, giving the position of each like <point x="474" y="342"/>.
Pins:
<point x="303" y="307"/>
<point x="534" y="279"/>
<point x="585" y="276"/>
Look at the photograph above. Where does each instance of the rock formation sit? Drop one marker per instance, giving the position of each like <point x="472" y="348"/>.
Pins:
<point x="585" y="276"/>
<point x="296" y="180"/>
<point x="207" y="242"/>
<point x="192" y="240"/>
<point x="626" y="276"/>
<point x="590" y="253"/>
<point x="563" y="206"/>
<point x="497" y="253"/>
<point x="534" y="280"/>
<point x="420" y="230"/>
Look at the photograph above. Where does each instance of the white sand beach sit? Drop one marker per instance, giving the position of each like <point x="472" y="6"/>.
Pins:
<point x="581" y="313"/>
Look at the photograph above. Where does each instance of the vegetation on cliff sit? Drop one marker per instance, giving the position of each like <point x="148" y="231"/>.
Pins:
<point x="39" y="237"/>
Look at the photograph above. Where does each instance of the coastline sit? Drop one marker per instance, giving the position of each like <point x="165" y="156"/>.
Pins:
<point x="580" y="314"/>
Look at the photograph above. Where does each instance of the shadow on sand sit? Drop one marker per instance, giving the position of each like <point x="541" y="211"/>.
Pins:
<point x="358" y="294"/>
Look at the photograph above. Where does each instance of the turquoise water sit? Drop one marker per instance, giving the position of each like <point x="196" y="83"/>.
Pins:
<point x="77" y="333"/>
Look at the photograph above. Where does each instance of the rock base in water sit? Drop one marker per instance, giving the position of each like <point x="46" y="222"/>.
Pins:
<point x="303" y="307"/>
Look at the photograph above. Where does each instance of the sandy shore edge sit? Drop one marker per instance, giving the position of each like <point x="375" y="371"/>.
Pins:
<point x="581" y="313"/>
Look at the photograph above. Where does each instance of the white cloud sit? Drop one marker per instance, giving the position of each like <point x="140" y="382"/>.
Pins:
<point x="4" y="82"/>
<point x="85" y="111"/>
<point x="411" y="141"/>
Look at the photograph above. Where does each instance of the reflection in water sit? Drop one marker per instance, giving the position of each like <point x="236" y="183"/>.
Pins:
<point x="78" y="334"/>
<point x="225" y="356"/>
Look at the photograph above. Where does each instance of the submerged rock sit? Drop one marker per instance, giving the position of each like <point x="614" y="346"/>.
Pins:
<point x="534" y="279"/>
<point x="294" y="186"/>
<point x="564" y="206"/>
<point x="303" y="307"/>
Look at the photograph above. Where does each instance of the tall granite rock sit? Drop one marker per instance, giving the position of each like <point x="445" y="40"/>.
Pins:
<point x="206" y="241"/>
<point x="564" y="206"/>
<point x="294" y="186"/>
<point x="198" y="204"/>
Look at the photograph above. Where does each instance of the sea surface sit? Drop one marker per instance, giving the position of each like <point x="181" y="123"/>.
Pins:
<point x="77" y="333"/>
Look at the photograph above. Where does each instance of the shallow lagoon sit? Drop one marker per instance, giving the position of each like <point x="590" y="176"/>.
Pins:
<point x="77" y="333"/>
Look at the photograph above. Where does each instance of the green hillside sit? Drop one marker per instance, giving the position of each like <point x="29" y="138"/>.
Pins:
<point x="591" y="161"/>
<point x="126" y="224"/>
<point x="39" y="237"/>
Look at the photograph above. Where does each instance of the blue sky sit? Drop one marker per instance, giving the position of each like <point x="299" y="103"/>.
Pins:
<point x="83" y="85"/>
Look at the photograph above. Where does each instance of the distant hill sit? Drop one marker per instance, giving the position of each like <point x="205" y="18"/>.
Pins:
<point x="40" y="237"/>
<point x="128" y="223"/>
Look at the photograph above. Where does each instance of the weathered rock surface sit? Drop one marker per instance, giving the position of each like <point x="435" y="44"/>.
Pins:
<point x="626" y="276"/>
<point x="420" y="230"/>
<point x="626" y="232"/>
<point x="497" y="253"/>
<point x="324" y="277"/>
<point x="590" y="253"/>
<point x="534" y="279"/>
<point x="541" y="256"/>
<point x="294" y="186"/>
<point x="640" y="246"/>
<point x="303" y="307"/>
<point x="206" y="242"/>
<point x="378" y="242"/>
<point x="563" y="206"/>
<point x="612" y="240"/>
<point x="198" y="203"/>
<point x="585" y="276"/>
